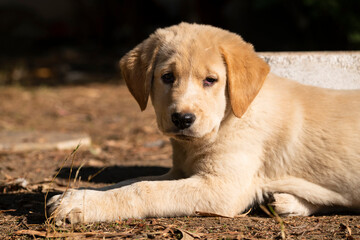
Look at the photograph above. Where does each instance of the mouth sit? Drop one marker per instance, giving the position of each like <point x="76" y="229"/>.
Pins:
<point x="180" y="135"/>
<point x="183" y="137"/>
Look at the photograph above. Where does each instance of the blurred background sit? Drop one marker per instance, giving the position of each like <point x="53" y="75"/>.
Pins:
<point x="56" y="42"/>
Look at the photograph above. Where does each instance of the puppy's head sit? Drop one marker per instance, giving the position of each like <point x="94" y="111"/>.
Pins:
<point x="192" y="73"/>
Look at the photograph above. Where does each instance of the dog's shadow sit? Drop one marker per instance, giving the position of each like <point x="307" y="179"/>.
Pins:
<point x="112" y="174"/>
<point x="30" y="206"/>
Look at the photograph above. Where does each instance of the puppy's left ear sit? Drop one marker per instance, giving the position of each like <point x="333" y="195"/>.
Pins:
<point x="246" y="72"/>
<point x="137" y="68"/>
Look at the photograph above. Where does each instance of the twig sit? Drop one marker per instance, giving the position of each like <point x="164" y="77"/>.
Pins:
<point x="266" y="211"/>
<point x="8" y="210"/>
<point x="94" y="175"/>
<point x="274" y="214"/>
<point x="78" y="170"/>
<point x="53" y="179"/>
<point x="71" y="234"/>
<point x="280" y="221"/>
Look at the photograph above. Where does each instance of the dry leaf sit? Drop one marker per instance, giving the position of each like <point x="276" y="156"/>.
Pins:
<point x="207" y="214"/>
<point x="185" y="234"/>
<point x="244" y="214"/>
<point x="346" y="227"/>
<point x="193" y="235"/>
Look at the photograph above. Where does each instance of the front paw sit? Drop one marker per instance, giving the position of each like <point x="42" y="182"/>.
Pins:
<point x="74" y="206"/>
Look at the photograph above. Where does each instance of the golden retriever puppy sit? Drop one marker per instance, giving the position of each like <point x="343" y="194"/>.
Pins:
<point x="238" y="133"/>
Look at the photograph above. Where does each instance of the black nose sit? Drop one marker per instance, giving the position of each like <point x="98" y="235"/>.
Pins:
<point x="183" y="121"/>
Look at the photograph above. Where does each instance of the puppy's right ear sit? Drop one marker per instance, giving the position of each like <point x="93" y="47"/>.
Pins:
<point x="137" y="68"/>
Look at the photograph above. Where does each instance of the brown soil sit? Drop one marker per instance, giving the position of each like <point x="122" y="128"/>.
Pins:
<point x="126" y="144"/>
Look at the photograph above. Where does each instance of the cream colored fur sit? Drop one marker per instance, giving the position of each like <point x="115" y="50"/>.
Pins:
<point x="255" y="134"/>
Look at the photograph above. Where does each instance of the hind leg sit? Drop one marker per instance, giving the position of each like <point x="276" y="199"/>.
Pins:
<point x="296" y="196"/>
<point x="289" y="205"/>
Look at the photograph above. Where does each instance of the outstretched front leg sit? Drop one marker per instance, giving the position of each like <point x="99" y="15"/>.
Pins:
<point x="74" y="197"/>
<point x="148" y="199"/>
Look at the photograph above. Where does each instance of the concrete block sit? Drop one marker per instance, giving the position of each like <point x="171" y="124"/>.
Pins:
<point x="17" y="141"/>
<point x="337" y="70"/>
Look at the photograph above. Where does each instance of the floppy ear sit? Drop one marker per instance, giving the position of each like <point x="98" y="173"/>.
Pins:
<point x="137" y="68"/>
<point x="246" y="73"/>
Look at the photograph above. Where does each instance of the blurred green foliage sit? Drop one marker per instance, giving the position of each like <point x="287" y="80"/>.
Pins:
<point x="345" y="12"/>
<point x="72" y="41"/>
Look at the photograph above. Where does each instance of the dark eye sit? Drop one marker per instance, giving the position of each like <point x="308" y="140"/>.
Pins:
<point x="168" y="78"/>
<point x="209" y="81"/>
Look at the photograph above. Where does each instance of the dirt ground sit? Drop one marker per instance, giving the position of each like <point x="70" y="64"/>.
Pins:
<point x="126" y="144"/>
